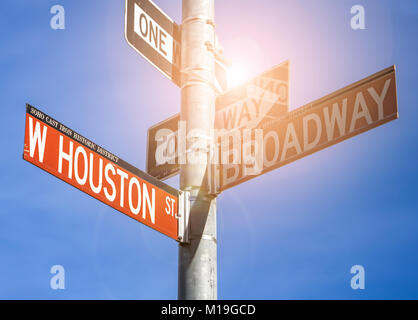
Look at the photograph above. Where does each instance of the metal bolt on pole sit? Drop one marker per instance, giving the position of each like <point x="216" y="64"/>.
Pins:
<point x="197" y="259"/>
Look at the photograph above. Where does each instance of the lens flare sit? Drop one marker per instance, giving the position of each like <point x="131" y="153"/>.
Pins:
<point x="237" y="74"/>
<point x="246" y="58"/>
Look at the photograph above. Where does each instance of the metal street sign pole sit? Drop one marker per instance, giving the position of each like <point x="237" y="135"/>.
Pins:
<point x="189" y="215"/>
<point x="197" y="258"/>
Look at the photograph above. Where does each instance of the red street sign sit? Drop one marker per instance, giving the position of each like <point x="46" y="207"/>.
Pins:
<point x="251" y="105"/>
<point x="85" y="165"/>
<point x="343" y="114"/>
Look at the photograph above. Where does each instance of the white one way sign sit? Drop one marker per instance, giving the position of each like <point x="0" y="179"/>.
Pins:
<point x="155" y="36"/>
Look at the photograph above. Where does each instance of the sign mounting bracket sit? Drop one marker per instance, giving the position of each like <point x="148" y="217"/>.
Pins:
<point x="183" y="216"/>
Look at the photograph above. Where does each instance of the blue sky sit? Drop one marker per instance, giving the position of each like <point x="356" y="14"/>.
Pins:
<point x="293" y="233"/>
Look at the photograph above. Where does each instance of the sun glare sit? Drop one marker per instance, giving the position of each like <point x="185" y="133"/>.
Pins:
<point x="245" y="55"/>
<point x="237" y="74"/>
